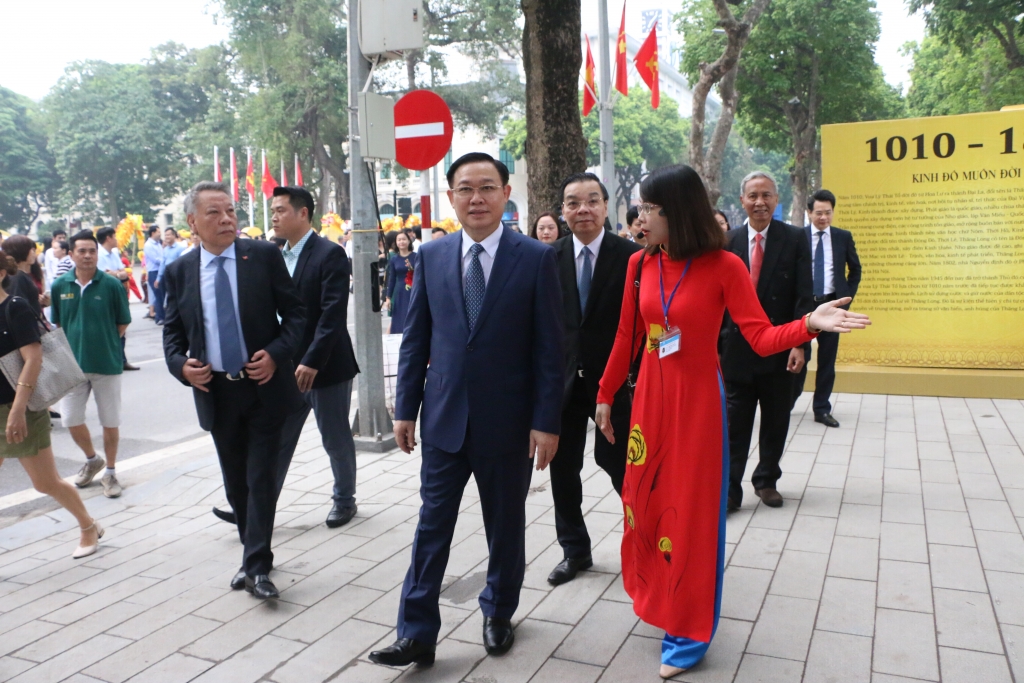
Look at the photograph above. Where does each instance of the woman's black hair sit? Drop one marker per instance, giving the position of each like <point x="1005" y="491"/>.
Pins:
<point x="719" y="212"/>
<point x="549" y="214"/>
<point x="692" y="228"/>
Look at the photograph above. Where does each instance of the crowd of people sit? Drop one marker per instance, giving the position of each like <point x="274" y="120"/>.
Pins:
<point x="667" y="337"/>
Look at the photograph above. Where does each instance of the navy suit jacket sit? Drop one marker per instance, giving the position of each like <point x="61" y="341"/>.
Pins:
<point x="502" y="379"/>
<point x="844" y="253"/>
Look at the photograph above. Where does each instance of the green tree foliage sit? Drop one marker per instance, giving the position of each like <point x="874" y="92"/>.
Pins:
<point x="946" y="80"/>
<point x="964" y="22"/>
<point x="291" y="56"/>
<point x="28" y="178"/>
<point x="810" y="62"/>
<point x="111" y="141"/>
<point x="645" y="138"/>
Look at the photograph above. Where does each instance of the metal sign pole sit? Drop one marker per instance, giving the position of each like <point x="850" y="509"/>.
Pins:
<point x="372" y="427"/>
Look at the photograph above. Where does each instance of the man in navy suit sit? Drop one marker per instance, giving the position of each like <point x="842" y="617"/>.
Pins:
<point x="482" y="355"/>
<point x="832" y="252"/>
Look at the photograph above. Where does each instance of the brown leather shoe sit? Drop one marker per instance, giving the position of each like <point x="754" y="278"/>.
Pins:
<point x="770" y="497"/>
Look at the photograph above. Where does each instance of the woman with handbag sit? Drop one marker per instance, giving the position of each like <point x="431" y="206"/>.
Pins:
<point x="674" y="493"/>
<point x="28" y="431"/>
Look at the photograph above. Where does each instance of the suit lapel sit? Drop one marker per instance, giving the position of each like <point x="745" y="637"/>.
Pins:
<point x="453" y="279"/>
<point x="838" y="257"/>
<point x="191" y="288"/>
<point x="567" y="273"/>
<point x="504" y="262"/>
<point x="740" y="246"/>
<point x="773" y="248"/>
<point x="244" y="274"/>
<point x="307" y="251"/>
<point x="602" y="271"/>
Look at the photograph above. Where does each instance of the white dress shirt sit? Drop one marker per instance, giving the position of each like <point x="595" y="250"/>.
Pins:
<point x="490" y="245"/>
<point x="751" y="234"/>
<point x="594" y="247"/>
<point x="109" y="260"/>
<point x="826" y="245"/>
<point x="208" y="294"/>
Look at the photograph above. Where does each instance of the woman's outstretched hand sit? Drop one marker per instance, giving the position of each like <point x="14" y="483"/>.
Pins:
<point x="829" y="317"/>
<point x="603" y="419"/>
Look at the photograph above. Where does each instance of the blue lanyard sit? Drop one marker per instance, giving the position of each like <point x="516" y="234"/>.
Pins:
<point x="661" y="281"/>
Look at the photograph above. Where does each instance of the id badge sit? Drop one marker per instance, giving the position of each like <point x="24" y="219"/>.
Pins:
<point x="668" y="343"/>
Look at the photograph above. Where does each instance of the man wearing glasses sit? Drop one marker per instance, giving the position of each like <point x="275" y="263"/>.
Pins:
<point x="592" y="265"/>
<point x="482" y="356"/>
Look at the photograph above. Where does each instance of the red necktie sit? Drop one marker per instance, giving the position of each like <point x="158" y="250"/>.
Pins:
<point x="756" y="258"/>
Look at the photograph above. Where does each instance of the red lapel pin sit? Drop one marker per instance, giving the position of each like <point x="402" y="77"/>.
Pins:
<point x="245" y="258"/>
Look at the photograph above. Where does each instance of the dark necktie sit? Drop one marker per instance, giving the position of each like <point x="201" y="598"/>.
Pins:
<point x="231" y="355"/>
<point x="819" y="266"/>
<point x="475" y="286"/>
<point x="586" y="277"/>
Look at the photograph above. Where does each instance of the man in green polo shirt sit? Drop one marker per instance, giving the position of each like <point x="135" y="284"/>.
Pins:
<point x="92" y="309"/>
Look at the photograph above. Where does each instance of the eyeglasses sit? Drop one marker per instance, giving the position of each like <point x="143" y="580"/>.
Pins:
<point x="646" y="208"/>
<point x="468" y="192"/>
<point x="575" y="204"/>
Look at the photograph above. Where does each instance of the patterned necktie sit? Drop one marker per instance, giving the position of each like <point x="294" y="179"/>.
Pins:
<point x="475" y="286"/>
<point x="231" y="355"/>
<point x="756" y="259"/>
<point x="819" y="266"/>
<point x="586" y="276"/>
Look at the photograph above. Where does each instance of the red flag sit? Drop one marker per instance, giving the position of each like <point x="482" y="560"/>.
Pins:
<point x="250" y="181"/>
<point x="284" y="175"/>
<point x="646" y="61"/>
<point x="621" y="67"/>
<point x="589" y="93"/>
<point x="298" y="173"/>
<point x="216" y="165"/>
<point x="268" y="183"/>
<point x="234" y="175"/>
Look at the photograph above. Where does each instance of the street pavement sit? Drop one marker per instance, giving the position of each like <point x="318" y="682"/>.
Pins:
<point x="897" y="557"/>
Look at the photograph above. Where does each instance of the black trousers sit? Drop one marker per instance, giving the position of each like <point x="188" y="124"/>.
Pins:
<point x="774" y="392"/>
<point x="566" y="486"/>
<point x="247" y="435"/>
<point x="825" y="375"/>
<point x="503" y="480"/>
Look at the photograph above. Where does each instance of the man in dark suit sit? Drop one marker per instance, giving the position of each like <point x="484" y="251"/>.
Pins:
<point x="324" y="362"/>
<point x="832" y="252"/>
<point x="592" y="265"/>
<point x="779" y="261"/>
<point x="482" y="354"/>
<point x="223" y="338"/>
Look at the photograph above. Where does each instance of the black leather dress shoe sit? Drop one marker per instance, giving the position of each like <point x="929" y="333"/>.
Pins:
<point x="225" y="515"/>
<point x="731" y="505"/>
<point x="340" y="515"/>
<point x="770" y="497"/>
<point x="403" y="652"/>
<point x="566" y="570"/>
<point x="498" y="635"/>
<point x="261" y="587"/>
<point x="827" y="420"/>
<point x="238" y="580"/>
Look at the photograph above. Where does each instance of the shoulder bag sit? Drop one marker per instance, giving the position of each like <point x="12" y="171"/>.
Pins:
<point x="634" y="366"/>
<point x="60" y="372"/>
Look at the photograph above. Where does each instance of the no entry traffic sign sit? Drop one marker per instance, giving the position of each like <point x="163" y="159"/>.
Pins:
<point x="423" y="130"/>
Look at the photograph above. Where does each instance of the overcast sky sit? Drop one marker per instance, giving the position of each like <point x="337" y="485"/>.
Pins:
<point x="41" y="37"/>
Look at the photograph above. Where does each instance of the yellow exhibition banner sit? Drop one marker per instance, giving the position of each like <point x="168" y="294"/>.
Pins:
<point x="936" y="208"/>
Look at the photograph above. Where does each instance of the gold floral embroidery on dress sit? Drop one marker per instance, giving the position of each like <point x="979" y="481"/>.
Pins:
<point x="636" y="452"/>
<point x="653" y="336"/>
<point x="665" y="544"/>
<point x="629" y="518"/>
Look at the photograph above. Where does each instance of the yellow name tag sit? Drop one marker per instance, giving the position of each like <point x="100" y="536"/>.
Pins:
<point x="67" y="295"/>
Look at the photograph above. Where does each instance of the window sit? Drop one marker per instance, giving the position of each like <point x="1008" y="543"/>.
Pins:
<point x="511" y="212"/>
<point x="385" y="171"/>
<point x="507" y="159"/>
<point x="448" y="160"/>
<point x="387" y="210"/>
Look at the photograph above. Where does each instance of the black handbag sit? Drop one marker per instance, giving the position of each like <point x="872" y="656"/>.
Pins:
<point x="634" y="366"/>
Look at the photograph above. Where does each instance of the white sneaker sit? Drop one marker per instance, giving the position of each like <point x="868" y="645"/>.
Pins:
<point x="89" y="470"/>
<point x="111" y="487"/>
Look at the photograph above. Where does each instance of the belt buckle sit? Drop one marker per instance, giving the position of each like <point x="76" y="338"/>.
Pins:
<point x="241" y="375"/>
<point x="579" y="372"/>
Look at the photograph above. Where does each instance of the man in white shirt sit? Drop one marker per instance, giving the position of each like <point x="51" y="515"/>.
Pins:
<point x="50" y="260"/>
<point x="110" y="262"/>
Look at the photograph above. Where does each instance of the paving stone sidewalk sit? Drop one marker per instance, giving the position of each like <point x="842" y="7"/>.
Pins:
<point x="898" y="556"/>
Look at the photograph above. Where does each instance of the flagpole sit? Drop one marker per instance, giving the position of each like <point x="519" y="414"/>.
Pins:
<point x="234" y="175"/>
<point x="266" y="223"/>
<point x="216" y="164"/>
<point x="252" y="195"/>
<point x="604" y="106"/>
<point x="295" y="179"/>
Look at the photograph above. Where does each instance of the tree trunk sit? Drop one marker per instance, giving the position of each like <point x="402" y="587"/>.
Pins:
<point x="552" y="57"/>
<point x="325" y="191"/>
<point x="802" y="117"/>
<point x="112" y="203"/>
<point x="723" y="70"/>
<point x="411" y="59"/>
